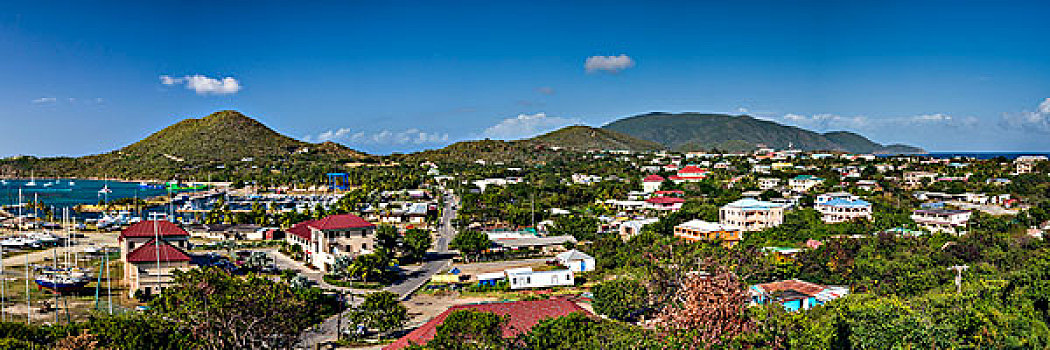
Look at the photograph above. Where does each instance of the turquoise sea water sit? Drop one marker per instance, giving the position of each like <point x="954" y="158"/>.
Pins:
<point x="63" y="195"/>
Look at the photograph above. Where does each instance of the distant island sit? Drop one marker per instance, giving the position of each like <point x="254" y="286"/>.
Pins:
<point x="698" y="131"/>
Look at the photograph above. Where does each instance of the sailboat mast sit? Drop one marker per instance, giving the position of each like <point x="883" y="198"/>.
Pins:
<point x="29" y="297"/>
<point x="156" y="247"/>
<point x="54" y="282"/>
<point x="109" y="284"/>
<point x="3" y="292"/>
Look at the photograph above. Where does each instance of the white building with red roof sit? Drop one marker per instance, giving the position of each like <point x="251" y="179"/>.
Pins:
<point x="151" y="251"/>
<point x="652" y="183"/>
<point x="690" y="173"/>
<point x="665" y="203"/>
<point x="336" y="235"/>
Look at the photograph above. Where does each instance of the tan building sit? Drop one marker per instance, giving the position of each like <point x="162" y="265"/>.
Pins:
<point x="750" y="214"/>
<point x="151" y="251"/>
<point x="916" y="179"/>
<point x="334" y="236"/>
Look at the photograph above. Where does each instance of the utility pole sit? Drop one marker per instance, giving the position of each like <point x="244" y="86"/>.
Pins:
<point x="532" y="203"/>
<point x="958" y="276"/>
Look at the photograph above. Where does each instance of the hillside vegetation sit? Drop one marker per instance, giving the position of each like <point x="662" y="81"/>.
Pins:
<point x="225" y="145"/>
<point x="585" y="138"/>
<point x="696" y="131"/>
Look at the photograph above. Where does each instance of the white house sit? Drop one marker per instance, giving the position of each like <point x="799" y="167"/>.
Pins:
<point x="941" y="220"/>
<point x="768" y="183"/>
<point x="842" y="209"/>
<point x="631" y="228"/>
<point x="803" y="183"/>
<point x="576" y="260"/>
<point x="751" y="214"/>
<point x="523" y="278"/>
<point x="652" y="183"/>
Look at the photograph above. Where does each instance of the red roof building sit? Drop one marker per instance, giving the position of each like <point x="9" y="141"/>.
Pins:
<point x="653" y="178"/>
<point x="341" y="222"/>
<point x="690" y="173"/>
<point x="147" y="229"/>
<point x="332" y="222"/>
<point x="148" y="253"/>
<point x="665" y="200"/>
<point x="522" y="316"/>
<point x="301" y="230"/>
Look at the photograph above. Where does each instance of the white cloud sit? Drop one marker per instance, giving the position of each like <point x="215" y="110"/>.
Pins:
<point x="204" y="85"/>
<point x="834" y="122"/>
<point x="546" y="90"/>
<point x="168" y="80"/>
<point x="1038" y="121"/>
<point x="526" y="125"/>
<point x="610" y="64"/>
<point x="827" y="121"/>
<point x="384" y="137"/>
<point x="44" y="100"/>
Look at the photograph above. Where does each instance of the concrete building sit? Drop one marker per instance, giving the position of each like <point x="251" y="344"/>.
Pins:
<point x="576" y="261"/>
<point x="804" y="183"/>
<point x="751" y="214"/>
<point x="768" y="183"/>
<point x="524" y="278"/>
<point x="942" y="220"/>
<point x="836" y="210"/>
<point x="151" y="251"/>
<point x="652" y="183"/>
<point x="334" y="236"/>
<point x="795" y="295"/>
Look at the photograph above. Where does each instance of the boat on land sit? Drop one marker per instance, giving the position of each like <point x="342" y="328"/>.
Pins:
<point x="62" y="281"/>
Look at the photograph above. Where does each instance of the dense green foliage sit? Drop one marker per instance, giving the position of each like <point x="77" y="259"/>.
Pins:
<point x="585" y="138"/>
<point x="621" y="299"/>
<point x="381" y="311"/>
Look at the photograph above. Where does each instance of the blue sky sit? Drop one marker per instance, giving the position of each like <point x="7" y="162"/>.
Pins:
<point x="82" y="77"/>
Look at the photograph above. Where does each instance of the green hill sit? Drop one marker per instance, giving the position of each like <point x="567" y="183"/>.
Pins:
<point x="697" y="131"/>
<point x="542" y="148"/>
<point x="585" y="138"/>
<point x="224" y="135"/>
<point x="223" y="145"/>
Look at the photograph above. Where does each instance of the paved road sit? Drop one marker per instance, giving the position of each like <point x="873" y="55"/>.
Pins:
<point x="328" y="330"/>
<point x="445" y="233"/>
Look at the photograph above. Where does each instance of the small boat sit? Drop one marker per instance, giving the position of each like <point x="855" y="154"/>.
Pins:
<point x="62" y="282"/>
<point x="72" y="183"/>
<point x="105" y="190"/>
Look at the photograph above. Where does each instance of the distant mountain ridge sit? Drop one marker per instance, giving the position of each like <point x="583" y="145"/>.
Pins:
<point x="700" y="131"/>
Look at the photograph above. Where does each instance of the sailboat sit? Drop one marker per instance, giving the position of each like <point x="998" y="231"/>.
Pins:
<point x="32" y="180"/>
<point x="62" y="280"/>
